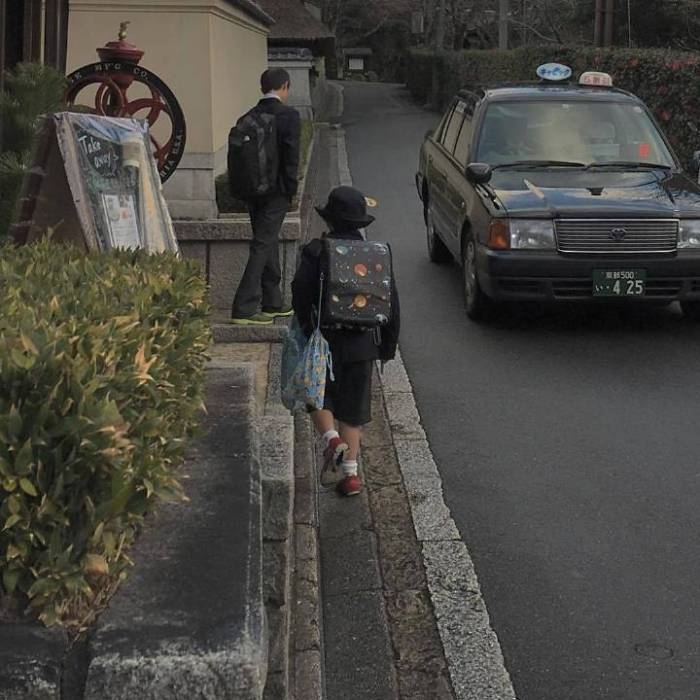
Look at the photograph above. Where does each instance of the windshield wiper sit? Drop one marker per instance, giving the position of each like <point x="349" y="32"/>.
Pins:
<point x="541" y="163"/>
<point x="627" y="164"/>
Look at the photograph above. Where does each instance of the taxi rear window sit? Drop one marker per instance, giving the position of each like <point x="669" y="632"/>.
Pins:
<point x="586" y="132"/>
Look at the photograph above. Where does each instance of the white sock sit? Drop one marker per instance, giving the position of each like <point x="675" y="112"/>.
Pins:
<point x="349" y="467"/>
<point x="329" y="435"/>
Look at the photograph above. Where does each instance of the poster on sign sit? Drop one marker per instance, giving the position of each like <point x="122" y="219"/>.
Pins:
<point x="100" y="186"/>
<point x="121" y="220"/>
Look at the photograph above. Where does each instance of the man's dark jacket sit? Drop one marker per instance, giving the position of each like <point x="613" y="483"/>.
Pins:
<point x="347" y="345"/>
<point x="288" y="133"/>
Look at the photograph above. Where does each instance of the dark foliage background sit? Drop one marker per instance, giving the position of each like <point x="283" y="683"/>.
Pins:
<point x="668" y="81"/>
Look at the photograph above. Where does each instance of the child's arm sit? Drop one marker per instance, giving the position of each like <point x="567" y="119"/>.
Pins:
<point x="305" y="289"/>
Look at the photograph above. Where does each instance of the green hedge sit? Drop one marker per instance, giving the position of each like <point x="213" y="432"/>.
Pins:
<point x="101" y="380"/>
<point x="668" y="81"/>
<point x="227" y="204"/>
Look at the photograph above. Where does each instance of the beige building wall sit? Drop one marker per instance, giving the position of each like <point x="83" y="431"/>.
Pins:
<point x="209" y="52"/>
<point x="238" y="59"/>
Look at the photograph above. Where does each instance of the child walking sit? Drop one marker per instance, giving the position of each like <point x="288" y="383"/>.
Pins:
<point x="354" y="350"/>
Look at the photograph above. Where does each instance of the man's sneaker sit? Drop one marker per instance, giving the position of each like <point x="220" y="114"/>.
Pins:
<point x="277" y="313"/>
<point x="254" y="320"/>
<point x="332" y="457"/>
<point x="351" y="485"/>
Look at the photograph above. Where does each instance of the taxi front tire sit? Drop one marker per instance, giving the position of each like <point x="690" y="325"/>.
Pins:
<point x="477" y="304"/>
<point x="437" y="250"/>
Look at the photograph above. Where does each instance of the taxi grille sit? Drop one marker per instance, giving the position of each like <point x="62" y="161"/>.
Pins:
<point x="617" y="236"/>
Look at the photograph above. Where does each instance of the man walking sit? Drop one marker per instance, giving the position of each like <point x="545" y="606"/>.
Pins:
<point x="258" y="299"/>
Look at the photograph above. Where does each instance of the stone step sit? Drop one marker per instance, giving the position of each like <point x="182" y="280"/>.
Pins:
<point x="190" y="620"/>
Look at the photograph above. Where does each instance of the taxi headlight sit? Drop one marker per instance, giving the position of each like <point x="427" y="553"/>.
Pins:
<point x="689" y="234"/>
<point x="532" y="234"/>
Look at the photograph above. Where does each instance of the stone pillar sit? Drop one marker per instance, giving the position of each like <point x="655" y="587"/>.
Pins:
<point x="298" y="63"/>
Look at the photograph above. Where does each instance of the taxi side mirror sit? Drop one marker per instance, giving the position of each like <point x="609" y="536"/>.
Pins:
<point x="428" y="134"/>
<point x="479" y="173"/>
<point x="695" y="163"/>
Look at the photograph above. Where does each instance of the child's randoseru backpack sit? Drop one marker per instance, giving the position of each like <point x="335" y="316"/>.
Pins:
<point x="253" y="157"/>
<point x="356" y="282"/>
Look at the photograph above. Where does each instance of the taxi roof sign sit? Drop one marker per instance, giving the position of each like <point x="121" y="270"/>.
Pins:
<point x="554" y="72"/>
<point x="596" y="78"/>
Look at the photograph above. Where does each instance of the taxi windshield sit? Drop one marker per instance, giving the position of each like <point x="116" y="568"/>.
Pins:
<point x="570" y="132"/>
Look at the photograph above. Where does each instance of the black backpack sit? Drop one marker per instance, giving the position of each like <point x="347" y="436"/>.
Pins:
<point x="356" y="283"/>
<point x="253" y="158"/>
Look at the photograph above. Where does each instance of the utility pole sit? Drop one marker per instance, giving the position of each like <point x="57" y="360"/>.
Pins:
<point x="3" y="31"/>
<point x="609" y="21"/>
<point x="503" y="24"/>
<point x="599" y="17"/>
<point x="439" y="48"/>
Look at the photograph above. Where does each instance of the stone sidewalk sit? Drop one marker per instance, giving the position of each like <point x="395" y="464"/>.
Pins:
<point x="386" y="601"/>
<point x="438" y="626"/>
<point x="380" y="634"/>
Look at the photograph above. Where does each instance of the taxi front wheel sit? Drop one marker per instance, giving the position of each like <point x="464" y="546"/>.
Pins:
<point x="691" y="309"/>
<point x="437" y="250"/>
<point x="477" y="304"/>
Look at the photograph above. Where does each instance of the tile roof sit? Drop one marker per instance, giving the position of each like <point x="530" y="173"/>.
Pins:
<point x="293" y="21"/>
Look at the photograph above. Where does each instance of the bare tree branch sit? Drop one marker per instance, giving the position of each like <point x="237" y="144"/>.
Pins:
<point x="534" y="30"/>
<point x="375" y="29"/>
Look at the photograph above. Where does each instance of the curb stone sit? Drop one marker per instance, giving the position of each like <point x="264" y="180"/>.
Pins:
<point x="474" y="657"/>
<point x="30" y="662"/>
<point x="307" y="645"/>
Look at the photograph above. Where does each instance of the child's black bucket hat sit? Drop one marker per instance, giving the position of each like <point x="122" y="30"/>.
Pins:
<point x="346" y="205"/>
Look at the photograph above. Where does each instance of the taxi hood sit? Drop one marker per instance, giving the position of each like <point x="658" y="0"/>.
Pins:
<point x="611" y="194"/>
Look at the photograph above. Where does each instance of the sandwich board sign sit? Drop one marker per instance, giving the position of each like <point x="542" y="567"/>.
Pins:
<point x="94" y="183"/>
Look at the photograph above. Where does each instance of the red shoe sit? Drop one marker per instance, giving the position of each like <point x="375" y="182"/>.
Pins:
<point x="332" y="457"/>
<point x="351" y="485"/>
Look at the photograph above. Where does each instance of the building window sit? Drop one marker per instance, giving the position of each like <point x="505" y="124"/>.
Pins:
<point x="33" y="30"/>
<point x="356" y="64"/>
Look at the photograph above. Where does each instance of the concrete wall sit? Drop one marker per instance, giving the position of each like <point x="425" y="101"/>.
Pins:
<point x="299" y="75"/>
<point x="238" y="59"/>
<point x="210" y="54"/>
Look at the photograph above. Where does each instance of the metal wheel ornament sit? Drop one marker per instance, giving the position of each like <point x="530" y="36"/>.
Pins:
<point x="113" y="81"/>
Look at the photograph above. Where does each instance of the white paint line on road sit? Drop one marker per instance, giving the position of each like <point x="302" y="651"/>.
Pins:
<point x="472" y="650"/>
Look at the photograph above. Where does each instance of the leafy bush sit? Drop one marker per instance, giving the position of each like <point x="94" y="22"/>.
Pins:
<point x="31" y="90"/>
<point x="226" y="203"/>
<point x="667" y="81"/>
<point x="101" y="376"/>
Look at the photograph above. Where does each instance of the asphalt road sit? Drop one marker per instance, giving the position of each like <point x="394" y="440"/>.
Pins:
<point x="568" y="445"/>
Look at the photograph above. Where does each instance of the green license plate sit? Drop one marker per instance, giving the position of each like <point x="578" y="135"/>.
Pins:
<point x="619" y="283"/>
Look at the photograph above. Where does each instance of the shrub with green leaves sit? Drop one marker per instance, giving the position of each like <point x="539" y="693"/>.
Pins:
<point x="667" y="81"/>
<point x="101" y="380"/>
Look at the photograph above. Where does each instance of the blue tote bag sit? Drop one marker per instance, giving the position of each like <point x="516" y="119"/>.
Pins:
<point x="305" y="365"/>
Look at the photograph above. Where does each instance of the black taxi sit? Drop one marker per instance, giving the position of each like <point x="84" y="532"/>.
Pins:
<point x="560" y="190"/>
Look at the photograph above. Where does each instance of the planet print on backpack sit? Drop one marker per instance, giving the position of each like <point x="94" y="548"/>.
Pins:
<point x="357" y="284"/>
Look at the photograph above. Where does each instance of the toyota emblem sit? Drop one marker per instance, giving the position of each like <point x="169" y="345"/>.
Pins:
<point x="618" y="233"/>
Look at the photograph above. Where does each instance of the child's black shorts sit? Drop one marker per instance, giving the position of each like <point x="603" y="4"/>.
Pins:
<point x="349" y="397"/>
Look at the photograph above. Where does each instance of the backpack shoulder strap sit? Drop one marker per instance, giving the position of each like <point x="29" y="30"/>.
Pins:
<point x="314" y="248"/>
